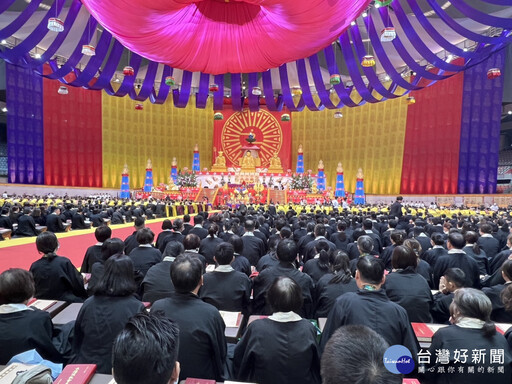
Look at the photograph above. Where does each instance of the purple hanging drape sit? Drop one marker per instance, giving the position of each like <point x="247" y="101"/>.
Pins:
<point x="25" y="154"/>
<point x="480" y="127"/>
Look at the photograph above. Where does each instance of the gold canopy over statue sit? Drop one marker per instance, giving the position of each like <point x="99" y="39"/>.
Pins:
<point x="275" y="164"/>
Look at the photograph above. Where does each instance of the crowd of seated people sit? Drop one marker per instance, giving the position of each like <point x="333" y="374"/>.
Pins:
<point x="369" y="275"/>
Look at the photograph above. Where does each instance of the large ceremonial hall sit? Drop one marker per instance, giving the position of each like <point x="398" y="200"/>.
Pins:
<point x="256" y="191"/>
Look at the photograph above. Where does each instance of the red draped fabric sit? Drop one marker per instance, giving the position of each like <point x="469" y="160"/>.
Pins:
<point x="432" y="139"/>
<point x="72" y="136"/>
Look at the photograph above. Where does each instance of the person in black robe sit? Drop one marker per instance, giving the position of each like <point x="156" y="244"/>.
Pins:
<point x="241" y="263"/>
<point x="54" y="222"/>
<point x="499" y="259"/>
<point x="174" y="235"/>
<point x="306" y="239"/>
<point x="456" y="258"/>
<point x="487" y="242"/>
<point x="254" y="247"/>
<point x="78" y="220"/>
<point x="287" y="254"/>
<point x="320" y="235"/>
<point x="130" y="243"/>
<point x="109" y="248"/>
<point x="397" y="238"/>
<point x="105" y="314"/>
<point x="210" y="243"/>
<point x="5" y="220"/>
<point x="333" y="285"/>
<point x="437" y="251"/>
<point x="371" y="307"/>
<point x="202" y="344"/>
<point x="198" y="229"/>
<point x="340" y="239"/>
<point x="145" y="256"/>
<point x="93" y="253"/>
<point x="319" y="265"/>
<point x="117" y="217"/>
<point x="395" y="211"/>
<point x="55" y="276"/>
<point x="166" y="231"/>
<point x="23" y="328"/>
<point x="407" y="288"/>
<point x="157" y="283"/>
<point x="473" y="250"/>
<point x="281" y="348"/>
<point x="494" y="293"/>
<point x="270" y="259"/>
<point x="453" y="279"/>
<point x="225" y="288"/>
<point x="364" y="248"/>
<point x="473" y="332"/>
<point x="26" y="225"/>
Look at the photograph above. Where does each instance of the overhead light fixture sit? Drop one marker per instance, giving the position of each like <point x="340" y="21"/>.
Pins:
<point x="352" y="24"/>
<point x="465" y="49"/>
<point x="37" y="56"/>
<point x="387" y="78"/>
<point x="449" y="58"/>
<point x="365" y="14"/>
<point x="509" y="112"/>
<point x="377" y="5"/>
<point x="4" y="109"/>
<point x="4" y="42"/>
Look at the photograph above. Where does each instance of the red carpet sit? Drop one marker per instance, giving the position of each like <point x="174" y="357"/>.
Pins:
<point x="73" y="246"/>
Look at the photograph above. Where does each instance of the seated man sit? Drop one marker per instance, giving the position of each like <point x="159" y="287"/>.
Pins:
<point x="93" y="253"/>
<point x="371" y="307"/>
<point x="202" y="351"/>
<point x="26" y="224"/>
<point x="145" y="256"/>
<point x="146" y="350"/>
<point x="453" y="279"/>
<point x="54" y="221"/>
<point x="355" y="354"/>
<point x="225" y="288"/>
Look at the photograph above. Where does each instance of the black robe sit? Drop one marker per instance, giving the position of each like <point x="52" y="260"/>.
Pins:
<point x="326" y="293"/>
<point x="454" y="338"/>
<point x="172" y="236"/>
<point x="241" y="264"/>
<point x="144" y="258"/>
<point x="278" y="352"/>
<point x="92" y="255"/>
<point x="157" y="283"/>
<point x="57" y="279"/>
<point x="25" y="330"/>
<point x="254" y="248"/>
<point x="458" y="260"/>
<point x="202" y="346"/>
<point x="98" y="323"/>
<point x="269" y="260"/>
<point x="498" y="310"/>
<point x="130" y="243"/>
<point x="376" y="311"/>
<point x="313" y="269"/>
<point x="441" y="307"/>
<point x="411" y="291"/>
<point x="26" y="226"/>
<point x="227" y="291"/>
<point x="208" y="247"/>
<point x="161" y="238"/>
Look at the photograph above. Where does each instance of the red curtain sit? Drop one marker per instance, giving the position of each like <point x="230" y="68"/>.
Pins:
<point x="72" y="136"/>
<point x="432" y="139"/>
<point x="271" y="135"/>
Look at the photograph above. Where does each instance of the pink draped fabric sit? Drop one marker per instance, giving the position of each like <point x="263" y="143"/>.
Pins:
<point x="220" y="36"/>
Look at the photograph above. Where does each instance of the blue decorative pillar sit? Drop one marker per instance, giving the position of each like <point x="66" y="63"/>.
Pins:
<point x="320" y="181"/>
<point x="174" y="170"/>
<point x="300" y="161"/>
<point x="359" y="194"/>
<point x="340" y="182"/>
<point x="125" y="184"/>
<point x="148" y="183"/>
<point x="196" y="167"/>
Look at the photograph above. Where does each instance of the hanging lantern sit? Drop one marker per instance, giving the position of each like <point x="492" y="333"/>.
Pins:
<point x="388" y="34"/>
<point x="285" y="117"/>
<point x="214" y="87"/>
<point x="296" y="91"/>
<point x="383" y="3"/>
<point x="493" y="73"/>
<point x="128" y="71"/>
<point x="338" y="115"/>
<point x="256" y="91"/>
<point x="411" y="100"/>
<point x="63" y="90"/>
<point x="88" y="50"/>
<point x="218" y="116"/>
<point x="55" y="24"/>
<point x="139" y="107"/>
<point x="368" y="61"/>
<point x="170" y="81"/>
<point x="335" y="79"/>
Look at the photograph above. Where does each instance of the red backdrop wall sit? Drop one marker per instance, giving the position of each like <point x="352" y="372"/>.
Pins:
<point x="432" y="139"/>
<point x="72" y="136"/>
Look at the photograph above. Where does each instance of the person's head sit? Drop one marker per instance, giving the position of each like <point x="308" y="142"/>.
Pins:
<point x="285" y="295"/>
<point x="287" y="251"/>
<point x="166" y="224"/>
<point x="224" y="253"/>
<point x="191" y="242"/>
<point x="403" y="257"/>
<point x="198" y="220"/>
<point x="56" y="210"/>
<point x="16" y="286"/>
<point x="399" y="198"/>
<point x="437" y="239"/>
<point x="213" y="229"/>
<point x="237" y="243"/>
<point x="367" y="225"/>
<point x="454" y="279"/>
<point x="118" y="279"/>
<point x="471" y="237"/>
<point x="358" y="232"/>
<point x="365" y="244"/>
<point x="285" y="233"/>
<point x="186" y="218"/>
<point x="486" y="229"/>
<point x="370" y="271"/>
<point x="145" y="236"/>
<point x="506" y="270"/>
<point x="455" y="241"/>
<point x="249" y="225"/>
<point x="469" y="302"/>
<point x="173" y="249"/>
<point x="319" y="230"/>
<point x="102" y="233"/>
<point x="187" y="273"/>
<point x="414" y="245"/>
<point x="146" y="350"/>
<point x="138" y="223"/>
<point x="354" y="355"/>
<point x="46" y="242"/>
<point x="397" y="237"/>
<point x="26" y="211"/>
<point x="111" y="247"/>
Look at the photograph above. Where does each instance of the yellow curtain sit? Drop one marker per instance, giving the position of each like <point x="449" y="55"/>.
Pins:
<point x="158" y="132"/>
<point x="370" y="137"/>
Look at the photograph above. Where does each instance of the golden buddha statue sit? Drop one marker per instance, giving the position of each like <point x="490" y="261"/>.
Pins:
<point x="360" y="175"/>
<point x="320" y="165"/>
<point x="149" y="165"/>
<point x="247" y="163"/>
<point x="220" y="163"/>
<point x="275" y="164"/>
<point x="339" y="169"/>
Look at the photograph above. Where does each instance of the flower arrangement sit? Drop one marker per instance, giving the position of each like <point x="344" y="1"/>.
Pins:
<point x="186" y="179"/>
<point x="302" y="181"/>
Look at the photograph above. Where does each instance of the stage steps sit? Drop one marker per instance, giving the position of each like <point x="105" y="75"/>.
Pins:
<point x="210" y="193"/>
<point x="277" y="196"/>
